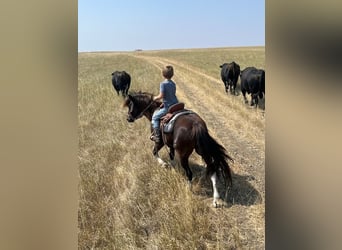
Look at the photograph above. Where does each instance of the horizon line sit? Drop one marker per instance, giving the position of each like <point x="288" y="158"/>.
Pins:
<point x="140" y="50"/>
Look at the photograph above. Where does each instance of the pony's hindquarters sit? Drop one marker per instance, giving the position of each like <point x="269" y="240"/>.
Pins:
<point x="214" y="155"/>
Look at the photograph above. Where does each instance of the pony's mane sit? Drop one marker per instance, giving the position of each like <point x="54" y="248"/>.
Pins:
<point x="138" y="96"/>
<point x="141" y="95"/>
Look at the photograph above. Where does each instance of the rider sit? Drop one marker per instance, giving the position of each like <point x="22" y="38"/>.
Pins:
<point x="168" y="94"/>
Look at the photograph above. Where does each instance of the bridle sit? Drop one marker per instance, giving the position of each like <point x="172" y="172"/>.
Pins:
<point x="142" y="112"/>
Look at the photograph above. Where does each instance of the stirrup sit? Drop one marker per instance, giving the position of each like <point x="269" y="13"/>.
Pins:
<point x="155" y="138"/>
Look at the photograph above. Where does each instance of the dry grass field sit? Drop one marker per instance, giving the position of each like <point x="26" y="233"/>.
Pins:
<point x="127" y="200"/>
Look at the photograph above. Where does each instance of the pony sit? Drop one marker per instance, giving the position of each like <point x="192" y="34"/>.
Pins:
<point x="190" y="133"/>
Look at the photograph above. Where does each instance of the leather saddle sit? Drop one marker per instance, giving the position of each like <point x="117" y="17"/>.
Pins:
<point x="174" y="111"/>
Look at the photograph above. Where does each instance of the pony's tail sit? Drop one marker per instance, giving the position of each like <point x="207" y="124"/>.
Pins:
<point x="214" y="154"/>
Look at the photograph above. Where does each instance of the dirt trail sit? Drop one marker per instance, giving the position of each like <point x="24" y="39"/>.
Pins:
<point x="249" y="155"/>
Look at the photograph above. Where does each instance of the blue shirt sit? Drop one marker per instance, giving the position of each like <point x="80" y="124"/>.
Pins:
<point x="168" y="88"/>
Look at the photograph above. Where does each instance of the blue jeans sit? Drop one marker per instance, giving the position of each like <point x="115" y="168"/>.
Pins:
<point x="156" y="117"/>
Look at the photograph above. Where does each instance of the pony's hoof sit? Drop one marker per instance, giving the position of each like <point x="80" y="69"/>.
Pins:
<point x="215" y="204"/>
<point x="160" y="161"/>
<point x="173" y="163"/>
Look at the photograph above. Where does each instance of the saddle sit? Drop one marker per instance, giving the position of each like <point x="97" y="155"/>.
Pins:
<point x="174" y="111"/>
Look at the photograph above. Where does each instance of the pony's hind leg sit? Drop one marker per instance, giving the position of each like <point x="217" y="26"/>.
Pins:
<point x="216" y="194"/>
<point x="210" y="171"/>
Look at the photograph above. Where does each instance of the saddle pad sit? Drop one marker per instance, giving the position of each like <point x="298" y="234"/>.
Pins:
<point x="168" y="127"/>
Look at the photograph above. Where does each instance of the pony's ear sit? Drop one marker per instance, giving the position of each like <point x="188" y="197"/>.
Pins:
<point x="126" y="102"/>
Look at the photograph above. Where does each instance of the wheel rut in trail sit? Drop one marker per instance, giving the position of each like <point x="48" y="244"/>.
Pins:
<point x="244" y="152"/>
<point x="163" y="61"/>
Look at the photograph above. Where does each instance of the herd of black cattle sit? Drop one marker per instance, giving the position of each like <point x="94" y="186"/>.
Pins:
<point x="252" y="81"/>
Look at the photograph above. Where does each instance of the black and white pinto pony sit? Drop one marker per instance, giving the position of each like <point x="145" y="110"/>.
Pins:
<point x="190" y="132"/>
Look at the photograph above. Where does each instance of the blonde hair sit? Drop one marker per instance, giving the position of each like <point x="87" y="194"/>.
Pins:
<point x="168" y="72"/>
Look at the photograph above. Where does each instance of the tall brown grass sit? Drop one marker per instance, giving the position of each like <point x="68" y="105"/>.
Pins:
<point x="127" y="201"/>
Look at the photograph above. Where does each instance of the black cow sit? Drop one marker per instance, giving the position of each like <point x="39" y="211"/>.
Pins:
<point x="121" y="81"/>
<point x="230" y="73"/>
<point x="253" y="82"/>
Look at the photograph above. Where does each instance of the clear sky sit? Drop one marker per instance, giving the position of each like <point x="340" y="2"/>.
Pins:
<point x="125" y="25"/>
